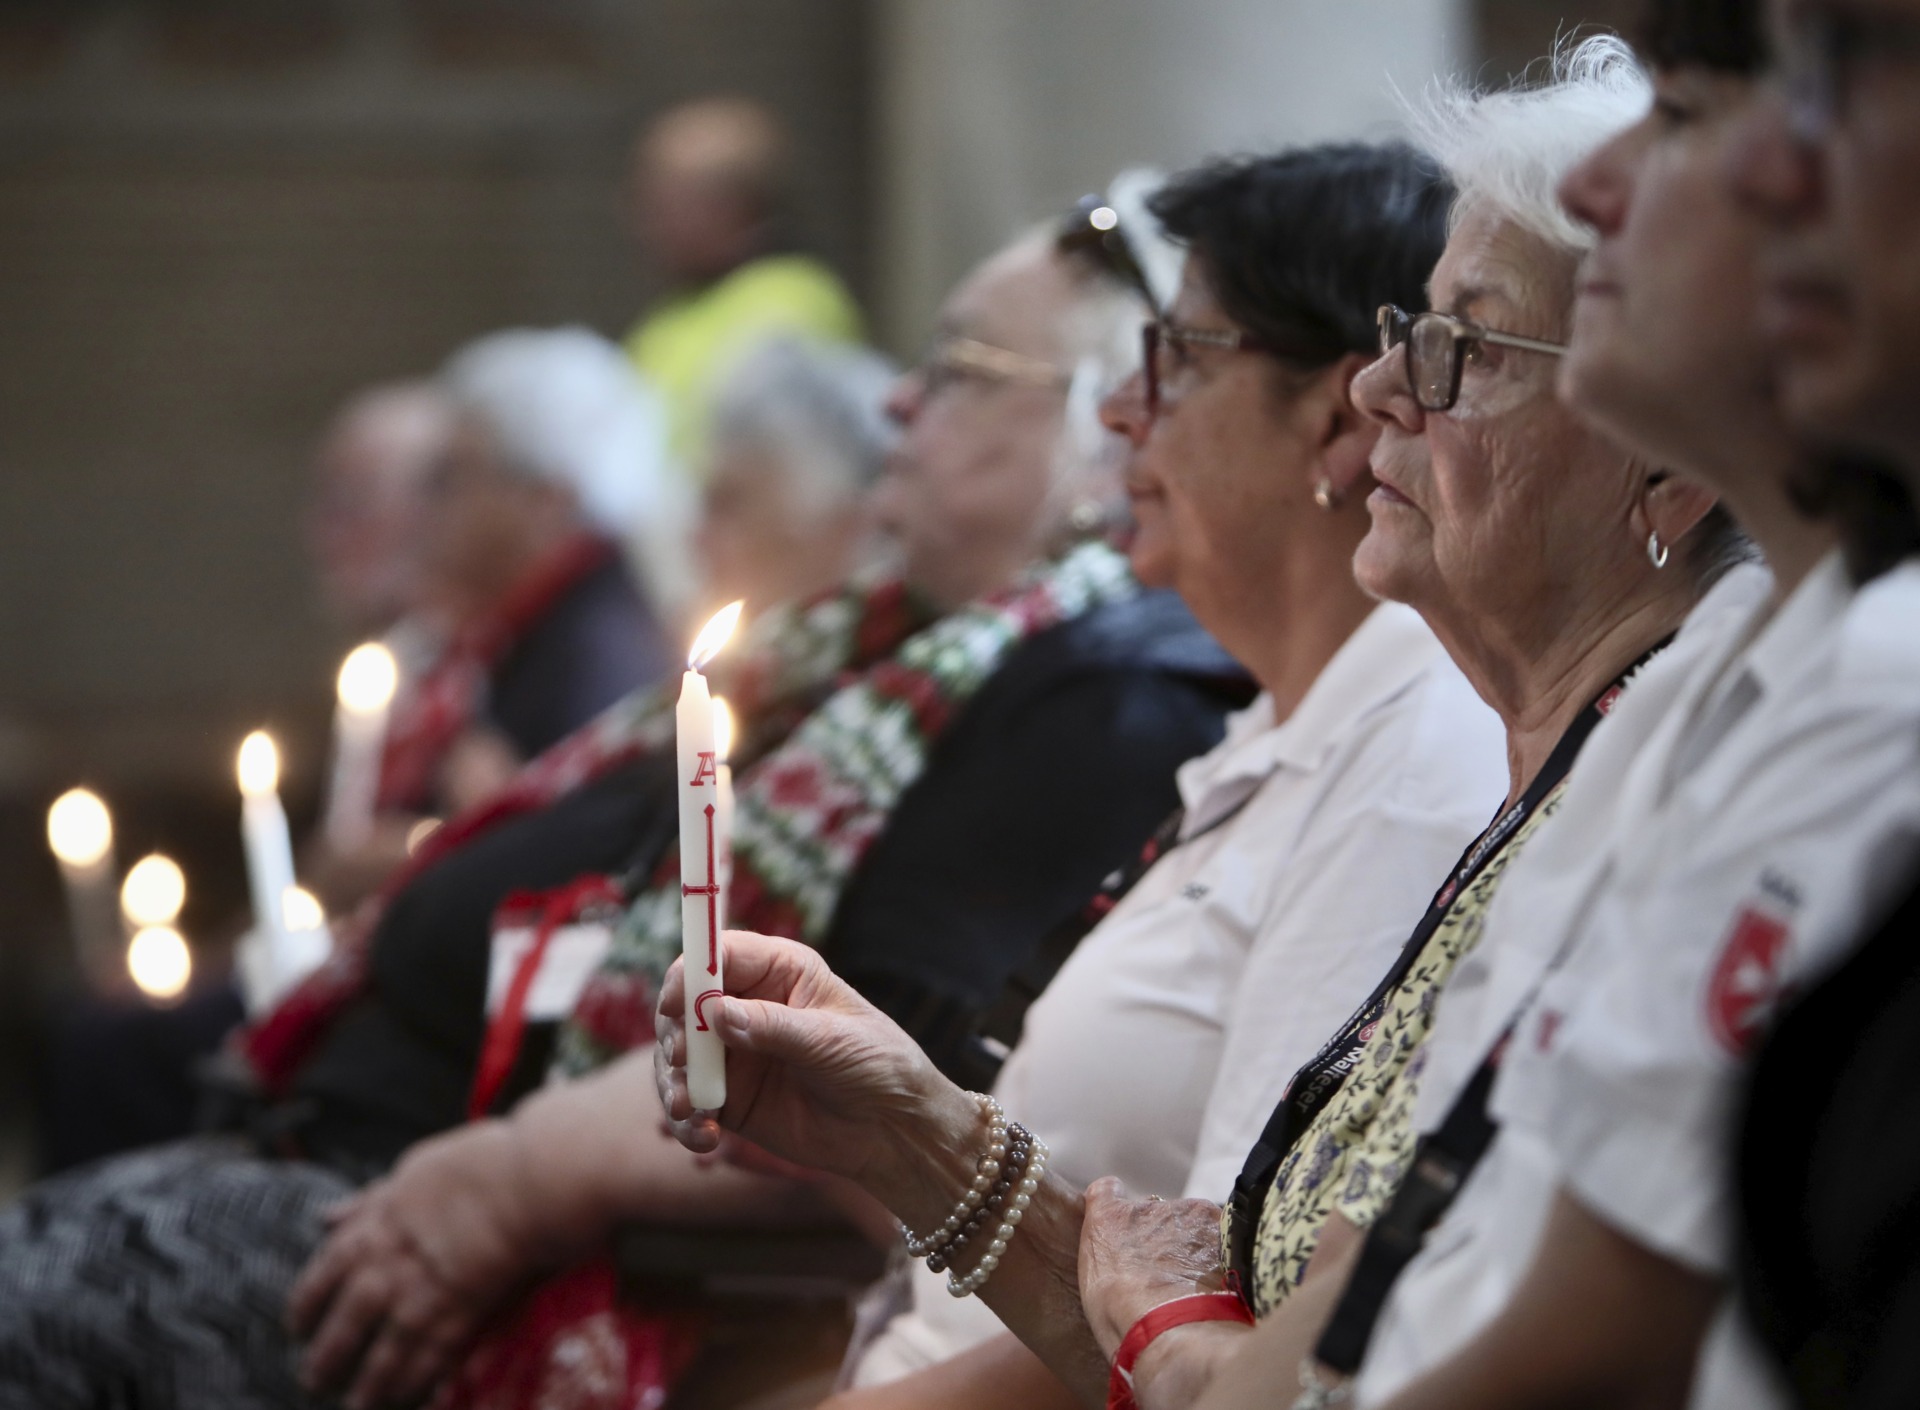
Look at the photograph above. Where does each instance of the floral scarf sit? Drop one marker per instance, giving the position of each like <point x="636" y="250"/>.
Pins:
<point x="807" y="812"/>
<point x="840" y="699"/>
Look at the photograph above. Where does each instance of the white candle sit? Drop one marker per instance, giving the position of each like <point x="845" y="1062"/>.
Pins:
<point x="263" y="829"/>
<point x="702" y="843"/>
<point x="80" y="832"/>
<point x="368" y="678"/>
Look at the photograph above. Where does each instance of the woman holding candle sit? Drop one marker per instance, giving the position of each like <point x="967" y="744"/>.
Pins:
<point x="1523" y="539"/>
<point x="1022" y="648"/>
<point x="1098" y="682"/>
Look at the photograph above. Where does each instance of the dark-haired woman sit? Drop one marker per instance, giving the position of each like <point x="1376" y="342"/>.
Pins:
<point x="1336" y="802"/>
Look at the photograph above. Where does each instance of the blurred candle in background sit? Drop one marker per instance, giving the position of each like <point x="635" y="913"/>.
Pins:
<point x="368" y="679"/>
<point x="269" y="848"/>
<point x="80" y="832"/>
<point x="151" y="899"/>
<point x="159" y="963"/>
<point x="154" y="892"/>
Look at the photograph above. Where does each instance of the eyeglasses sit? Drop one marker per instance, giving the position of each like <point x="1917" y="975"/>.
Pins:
<point x="1822" y="51"/>
<point x="1434" y="342"/>
<point x="1167" y="347"/>
<point x="953" y="359"/>
<point x="1093" y="228"/>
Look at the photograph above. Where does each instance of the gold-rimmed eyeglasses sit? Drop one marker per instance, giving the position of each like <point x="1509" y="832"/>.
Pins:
<point x="954" y="359"/>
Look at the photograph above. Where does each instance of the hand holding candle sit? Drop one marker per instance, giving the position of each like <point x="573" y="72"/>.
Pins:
<point x="704" y="840"/>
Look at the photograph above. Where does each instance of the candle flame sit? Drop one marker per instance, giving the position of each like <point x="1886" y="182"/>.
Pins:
<point x="301" y="909"/>
<point x="160" y="962"/>
<point x="722" y="728"/>
<point x="154" y="891"/>
<point x="368" y="678"/>
<point x="79" y="828"/>
<point x="259" y="766"/>
<point x="714" y="635"/>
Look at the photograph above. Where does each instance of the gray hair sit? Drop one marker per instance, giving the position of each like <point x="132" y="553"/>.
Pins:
<point x="818" y="409"/>
<point x="1508" y="151"/>
<point x="566" y="406"/>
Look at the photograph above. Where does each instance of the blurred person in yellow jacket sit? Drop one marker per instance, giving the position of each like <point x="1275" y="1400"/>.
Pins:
<point x="708" y="205"/>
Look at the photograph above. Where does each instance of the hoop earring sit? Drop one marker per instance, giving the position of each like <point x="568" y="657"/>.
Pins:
<point x="1323" y="495"/>
<point x="1657" y="552"/>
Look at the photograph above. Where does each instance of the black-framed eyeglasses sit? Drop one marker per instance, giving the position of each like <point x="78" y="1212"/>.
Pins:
<point x="1166" y="347"/>
<point x="1094" y="228"/>
<point x="1823" y="48"/>
<point x="1434" y="343"/>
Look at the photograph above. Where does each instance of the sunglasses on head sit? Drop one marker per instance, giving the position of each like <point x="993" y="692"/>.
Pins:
<point x="1094" y="230"/>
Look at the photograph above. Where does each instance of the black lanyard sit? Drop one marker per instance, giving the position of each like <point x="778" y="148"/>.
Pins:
<point x="1315" y="1084"/>
<point x="997" y="1030"/>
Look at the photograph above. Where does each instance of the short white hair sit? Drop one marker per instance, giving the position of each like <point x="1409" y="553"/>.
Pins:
<point x="1507" y="151"/>
<point x="818" y="409"/>
<point x="566" y="406"/>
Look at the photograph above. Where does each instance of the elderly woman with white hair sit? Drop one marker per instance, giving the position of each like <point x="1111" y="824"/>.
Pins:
<point x="558" y="457"/>
<point x="1552" y="565"/>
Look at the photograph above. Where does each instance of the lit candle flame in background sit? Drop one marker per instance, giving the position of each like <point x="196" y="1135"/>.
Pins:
<point x="368" y="679"/>
<point x="79" y="828"/>
<point x="714" y="635"/>
<point x="160" y="963"/>
<point x="722" y="728"/>
<point x="154" y="891"/>
<point x="301" y="909"/>
<point x="259" y="766"/>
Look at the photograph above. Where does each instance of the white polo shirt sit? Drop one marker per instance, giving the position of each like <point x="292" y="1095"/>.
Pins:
<point x="1191" y="1005"/>
<point x="1751" y="838"/>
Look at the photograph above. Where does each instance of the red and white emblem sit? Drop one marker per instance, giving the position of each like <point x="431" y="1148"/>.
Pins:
<point x="1746" y="979"/>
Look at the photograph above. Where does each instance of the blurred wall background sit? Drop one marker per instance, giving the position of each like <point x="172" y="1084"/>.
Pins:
<point x="218" y="217"/>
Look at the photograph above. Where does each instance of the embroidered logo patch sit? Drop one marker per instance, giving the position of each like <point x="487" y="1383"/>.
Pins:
<point x="1746" y="979"/>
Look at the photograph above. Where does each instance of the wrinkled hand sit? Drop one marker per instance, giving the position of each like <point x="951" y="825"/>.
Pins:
<point x="1136" y="1254"/>
<point x="412" y="1266"/>
<point x="815" y="1074"/>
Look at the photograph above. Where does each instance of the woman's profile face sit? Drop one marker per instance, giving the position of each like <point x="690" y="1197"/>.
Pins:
<point x="966" y="490"/>
<point x="1219" y="475"/>
<point x="1663" y="353"/>
<point x="1482" y="510"/>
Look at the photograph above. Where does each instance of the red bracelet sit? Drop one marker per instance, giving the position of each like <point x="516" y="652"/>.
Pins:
<point x="1200" y="1307"/>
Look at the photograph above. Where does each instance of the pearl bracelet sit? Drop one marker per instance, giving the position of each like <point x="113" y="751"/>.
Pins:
<point x="1016" y="1211"/>
<point x="984" y="1175"/>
